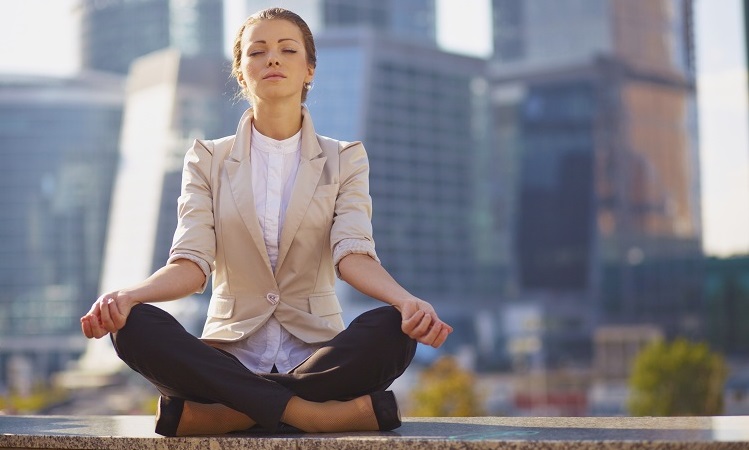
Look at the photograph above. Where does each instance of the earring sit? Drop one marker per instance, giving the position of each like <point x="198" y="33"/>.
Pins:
<point x="308" y="85"/>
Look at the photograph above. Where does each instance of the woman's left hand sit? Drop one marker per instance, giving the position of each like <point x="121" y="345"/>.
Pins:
<point x="421" y="323"/>
<point x="419" y="320"/>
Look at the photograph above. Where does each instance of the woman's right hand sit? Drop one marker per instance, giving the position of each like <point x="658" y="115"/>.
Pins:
<point x="107" y="315"/>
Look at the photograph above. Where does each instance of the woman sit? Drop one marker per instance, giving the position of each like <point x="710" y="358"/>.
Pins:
<point x="274" y="213"/>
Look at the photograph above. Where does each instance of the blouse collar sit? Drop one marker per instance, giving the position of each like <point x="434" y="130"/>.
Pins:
<point x="270" y="145"/>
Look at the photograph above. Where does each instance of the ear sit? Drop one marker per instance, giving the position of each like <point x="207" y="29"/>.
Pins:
<point x="240" y="81"/>
<point x="310" y="74"/>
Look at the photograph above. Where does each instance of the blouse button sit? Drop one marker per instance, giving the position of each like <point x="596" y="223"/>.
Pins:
<point x="272" y="298"/>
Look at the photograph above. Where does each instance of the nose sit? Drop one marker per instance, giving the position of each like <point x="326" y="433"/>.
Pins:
<point x="273" y="60"/>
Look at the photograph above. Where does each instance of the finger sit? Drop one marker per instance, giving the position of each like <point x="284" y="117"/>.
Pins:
<point x="446" y="325"/>
<point x="106" y="319"/>
<point x="441" y="338"/>
<point x="91" y="318"/>
<point x="86" y="327"/>
<point x="408" y="325"/>
<point x="117" y="317"/>
<point x="96" y="330"/>
<point x="96" y="324"/>
<point x="422" y="327"/>
<point x="432" y="335"/>
<point x="94" y="311"/>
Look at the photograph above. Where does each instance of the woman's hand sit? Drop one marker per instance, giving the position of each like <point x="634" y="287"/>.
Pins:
<point x="420" y="322"/>
<point x="107" y="315"/>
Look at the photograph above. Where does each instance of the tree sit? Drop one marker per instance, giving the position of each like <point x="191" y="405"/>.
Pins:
<point x="445" y="389"/>
<point x="677" y="379"/>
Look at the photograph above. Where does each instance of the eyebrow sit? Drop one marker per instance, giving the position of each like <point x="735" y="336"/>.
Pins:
<point x="279" y="41"/>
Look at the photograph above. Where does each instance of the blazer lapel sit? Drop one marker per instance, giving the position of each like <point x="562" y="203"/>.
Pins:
<point x="308" y="176"/>
<point x="239" y="171"/>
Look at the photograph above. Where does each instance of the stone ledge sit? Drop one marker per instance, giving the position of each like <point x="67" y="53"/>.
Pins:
<point x="472" y="433"/>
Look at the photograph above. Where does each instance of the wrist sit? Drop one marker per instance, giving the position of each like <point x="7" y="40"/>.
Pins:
<point x="128" y="297"/>
<point x="399" y="301"/>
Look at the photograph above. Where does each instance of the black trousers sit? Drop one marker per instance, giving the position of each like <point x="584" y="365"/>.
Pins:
<point x="366" y="357"/>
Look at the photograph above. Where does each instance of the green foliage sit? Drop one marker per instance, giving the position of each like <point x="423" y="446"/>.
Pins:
<point x="445" y="389"/>
<point x="677" y="379"/>
<point x="40" y="397"/>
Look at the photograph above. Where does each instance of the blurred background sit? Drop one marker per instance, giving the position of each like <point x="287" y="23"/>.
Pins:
<point x="566" y="180"/>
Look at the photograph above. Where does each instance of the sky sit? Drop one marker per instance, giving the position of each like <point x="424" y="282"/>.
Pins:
<point x="723" y="125"/>
<point x="40" y="37"/>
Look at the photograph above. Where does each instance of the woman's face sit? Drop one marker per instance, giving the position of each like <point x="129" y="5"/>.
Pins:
<point x="274" y="63"/>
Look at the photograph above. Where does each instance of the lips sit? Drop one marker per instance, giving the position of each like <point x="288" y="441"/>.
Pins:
<point x="273" y="76"/>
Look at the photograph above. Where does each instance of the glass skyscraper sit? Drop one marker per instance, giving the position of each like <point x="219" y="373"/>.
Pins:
<point x="594" y="109"/>
<point x="177" y="89"/>
<point x="172" y="100"/>
<point x="115" y="32"/>
<point x="175" y="95"/>
<point x="415" y="109"/>
<point x="409" y="19"/>
<point x="60" y="137"/>
<point x="414" y="19"/>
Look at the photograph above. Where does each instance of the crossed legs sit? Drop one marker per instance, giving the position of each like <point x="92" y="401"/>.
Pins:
<point x="213" y="392"/>
<point x="377" y="411"/>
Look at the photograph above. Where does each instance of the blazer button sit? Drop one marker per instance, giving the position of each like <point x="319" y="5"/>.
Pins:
<point x="272" y="298"/>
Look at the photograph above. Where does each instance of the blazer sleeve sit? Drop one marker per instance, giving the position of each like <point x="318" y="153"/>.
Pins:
<point x="352" y="221"/>
<point x="195" y="236"/>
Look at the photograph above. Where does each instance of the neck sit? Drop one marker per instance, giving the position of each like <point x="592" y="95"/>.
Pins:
<point x="277" y="121"/>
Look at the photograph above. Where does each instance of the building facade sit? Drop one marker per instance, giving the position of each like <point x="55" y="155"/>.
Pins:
<point x="594" y="108"/>
<point x="115" y="32"/>
<point x="415" y="109"/>
<point x="407" y="19"/>
<point x="178" y="89"/>
<point x="727" y="296"/>
<point x="61" y="137"/>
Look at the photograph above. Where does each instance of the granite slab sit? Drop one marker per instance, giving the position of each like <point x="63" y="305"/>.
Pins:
<point x="479" y="433"/>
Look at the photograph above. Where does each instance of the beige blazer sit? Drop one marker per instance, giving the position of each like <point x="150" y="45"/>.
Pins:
<point x="218" y="225"/>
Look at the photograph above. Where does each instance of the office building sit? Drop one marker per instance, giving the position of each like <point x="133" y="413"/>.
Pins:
<point x="171" y="100"/>
<point x="115" y="32"/>
<point x="595" y="112"/>
<point x="60" y="137"/>
<point x="178" y="89"/>
<point x="727" y="297"/>
<point x="415" y="109"/>
<point x="407" y="19"/>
